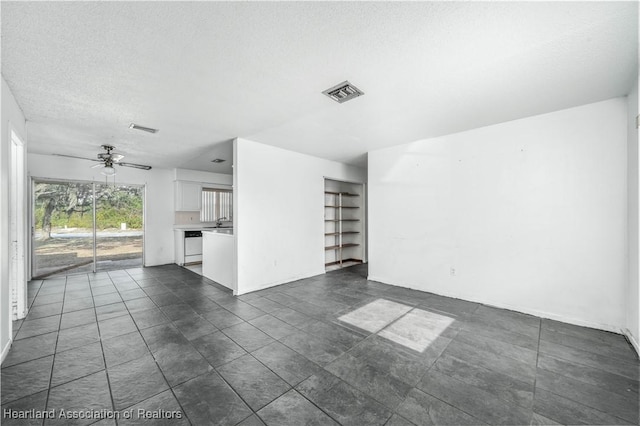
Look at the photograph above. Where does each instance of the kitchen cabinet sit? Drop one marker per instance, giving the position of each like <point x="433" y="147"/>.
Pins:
<point x="188" y="196"/>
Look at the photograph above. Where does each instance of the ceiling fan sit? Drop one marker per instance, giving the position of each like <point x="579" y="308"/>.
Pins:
<point x="107" y="160"/>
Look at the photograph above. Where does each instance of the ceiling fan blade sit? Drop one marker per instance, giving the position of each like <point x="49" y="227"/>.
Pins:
<point x="97" y="165"/>
<point x="135" y="166"/>
<point x="74" y="156"/>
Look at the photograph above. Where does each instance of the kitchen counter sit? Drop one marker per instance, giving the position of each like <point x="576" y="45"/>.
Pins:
<point x="193" y="226"/>
<point x="201" y="227"/>
<point x="218" y="256"/>
<point x="223" y="231"/>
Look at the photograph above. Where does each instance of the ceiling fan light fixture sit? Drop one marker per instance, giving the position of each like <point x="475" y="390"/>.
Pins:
<point x="108" y="171"/>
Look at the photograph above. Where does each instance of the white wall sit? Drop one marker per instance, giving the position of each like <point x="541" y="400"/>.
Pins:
<point x="633" y="190"/>
<point x="159" y="212"/>
<point x="279" y="213"/>
<point x="12" y="118"/>
<point x="531" y="214"/>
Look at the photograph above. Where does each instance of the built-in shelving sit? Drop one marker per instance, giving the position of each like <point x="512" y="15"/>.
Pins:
<point x="344" y="194"/>
<point x="343" y="262"/>
<point x="343" y="223"/>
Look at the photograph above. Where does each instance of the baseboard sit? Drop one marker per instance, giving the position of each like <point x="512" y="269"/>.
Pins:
<point x="277" y="283"/>
<point x="556" y="317"/>
<point x="5" y="351"/>
<point x="632" y="340"/>
<point x="524" y="310"/>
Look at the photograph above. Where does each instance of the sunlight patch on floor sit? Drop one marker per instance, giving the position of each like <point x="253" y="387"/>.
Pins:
<point x="376" y="315"/>
<point x="417" y="330"/>
<point x="413" y="328"/>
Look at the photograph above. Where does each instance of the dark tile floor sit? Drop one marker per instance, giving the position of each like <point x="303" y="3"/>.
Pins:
<point x="332" y="349"/>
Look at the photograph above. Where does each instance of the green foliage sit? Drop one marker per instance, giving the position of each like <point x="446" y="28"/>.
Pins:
<point x="74" y="205"/>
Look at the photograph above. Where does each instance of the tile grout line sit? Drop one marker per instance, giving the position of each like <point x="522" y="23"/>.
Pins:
<point x="104" y="360"/>
<point x="587" y="406"/>
<point x="347" y="351"/>
<point x="33" y="337"/>
<point x="371" y="336"/>
<point x="577" y="363"/>
<point x="171" y="388"/>
<point x="240" y="396"/>
<point x="253" y="412"/>
<point x="153" y="356"/>
<point x="55" y="347"/>
<point x="29" y="310"/>
<point x="434" y="396"/>
<point x="53" y="360"/>
<point x="320" y="408"/>
<point x="591" y="353"/>
<point x="564" y="396"/>
<point x="291" y="387"/>
<point x="535" y="377"/>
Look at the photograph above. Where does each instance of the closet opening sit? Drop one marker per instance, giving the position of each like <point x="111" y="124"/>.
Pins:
<point x="344" y="224"/>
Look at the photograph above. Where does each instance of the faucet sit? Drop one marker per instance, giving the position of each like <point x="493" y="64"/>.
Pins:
<point x="219" y="221"/>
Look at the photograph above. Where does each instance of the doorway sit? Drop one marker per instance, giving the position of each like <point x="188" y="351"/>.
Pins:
<point x="86" y="227"/>
<point x="18" y="229"/>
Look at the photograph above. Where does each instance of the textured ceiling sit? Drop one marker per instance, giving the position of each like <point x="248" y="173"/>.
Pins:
<point x="206" y="72"/>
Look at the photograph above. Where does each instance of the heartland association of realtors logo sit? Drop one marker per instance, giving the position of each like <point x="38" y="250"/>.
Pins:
<point x="140" y="413"/>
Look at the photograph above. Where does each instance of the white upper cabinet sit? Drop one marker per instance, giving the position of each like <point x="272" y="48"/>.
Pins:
<point x="188" y="196"/>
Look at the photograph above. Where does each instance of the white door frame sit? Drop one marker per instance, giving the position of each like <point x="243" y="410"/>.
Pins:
<point x="18" y="214"/>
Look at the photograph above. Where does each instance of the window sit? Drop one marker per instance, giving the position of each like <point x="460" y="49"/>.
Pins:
<point x="217" y="204"/>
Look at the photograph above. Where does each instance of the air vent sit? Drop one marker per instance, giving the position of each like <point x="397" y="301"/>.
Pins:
<point x="343" y="92"/>
<point x="218" y="160"/>
<point x="144" y="129"/>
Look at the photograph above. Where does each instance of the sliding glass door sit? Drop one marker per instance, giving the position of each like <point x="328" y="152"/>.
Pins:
<point x="85" y="227"/>
<point x="118" y="226"/>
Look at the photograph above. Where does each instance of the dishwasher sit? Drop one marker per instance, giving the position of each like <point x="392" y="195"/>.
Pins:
<point x="192" y="247"/>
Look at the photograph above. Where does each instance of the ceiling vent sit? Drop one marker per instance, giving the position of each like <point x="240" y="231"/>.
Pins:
<point x="218" y="160"/>
<point x="144" y="129"/>
<point x="343" y="92"/>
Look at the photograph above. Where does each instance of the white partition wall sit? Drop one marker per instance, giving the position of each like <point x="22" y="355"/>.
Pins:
<point x="279" y="219"/>
<point x="529" y="215"/>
